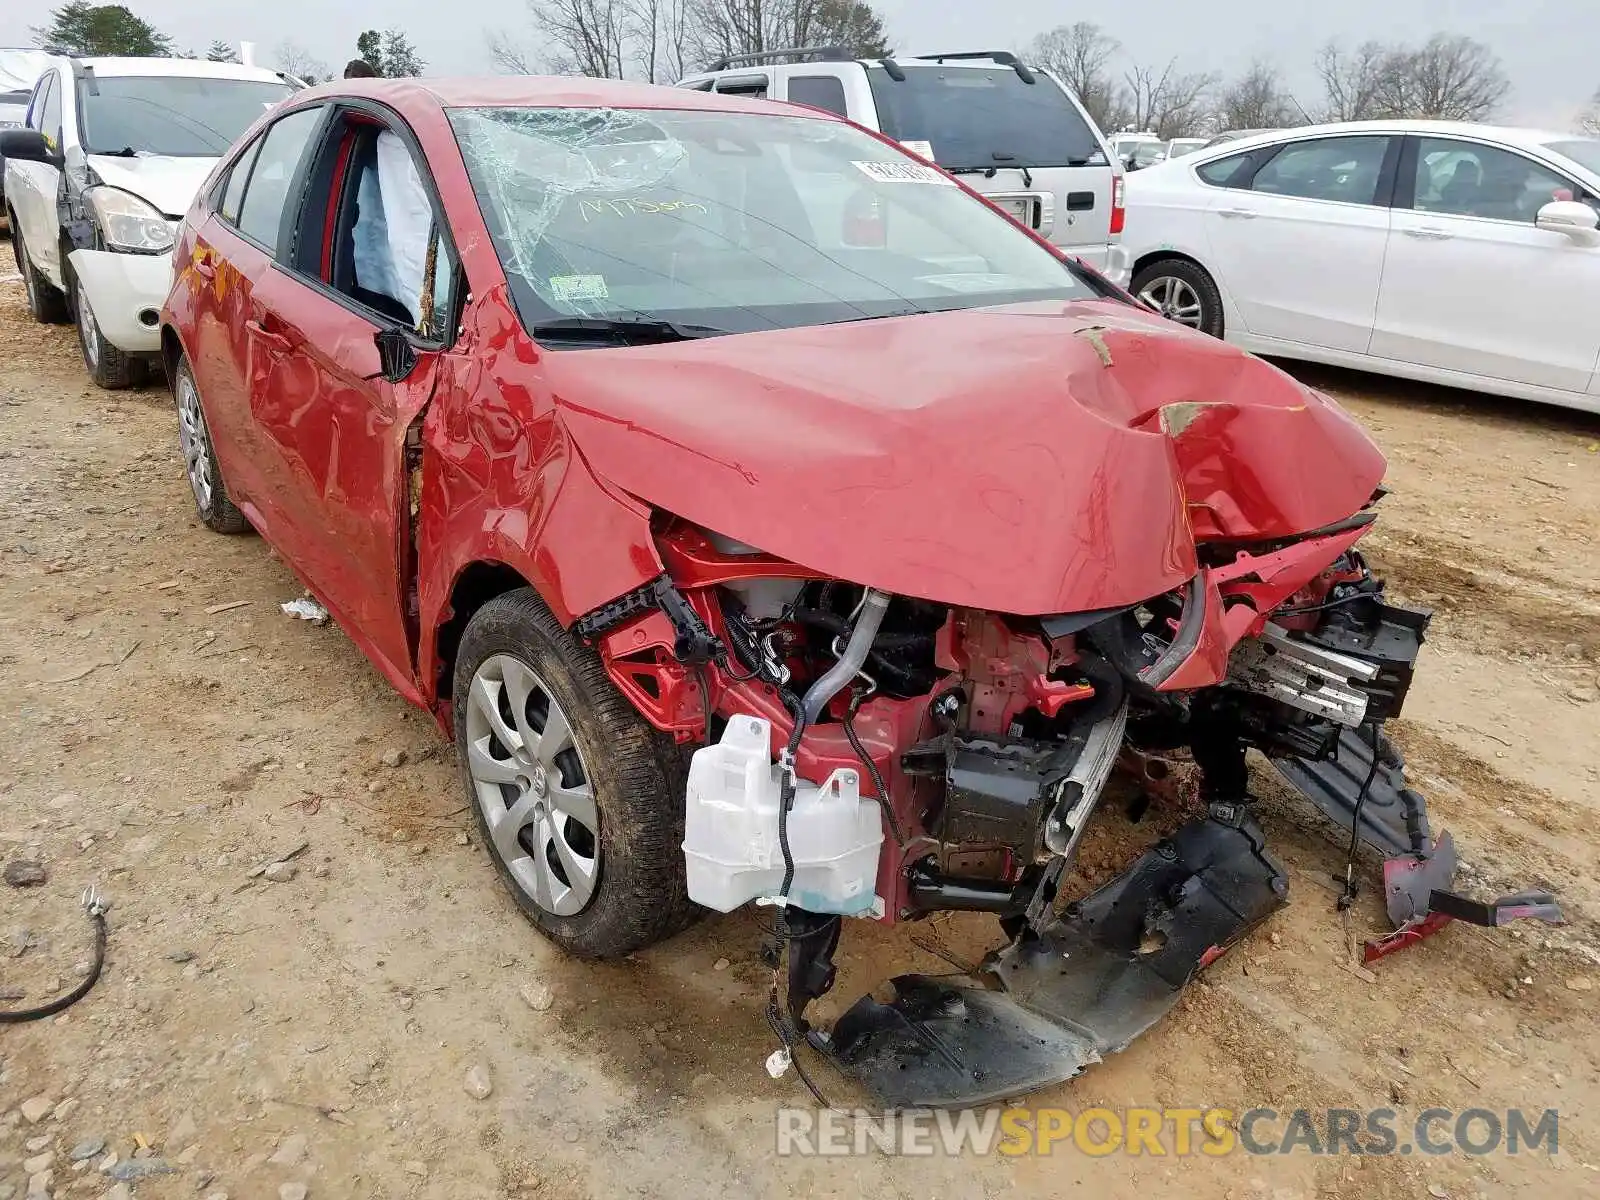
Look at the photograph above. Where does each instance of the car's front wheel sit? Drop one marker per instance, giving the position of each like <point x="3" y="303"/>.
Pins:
<point x="45" y="301"/>
<point x="1181" y="291"/>
<point x="108" y="366"/>
<point x="579" y="802"/>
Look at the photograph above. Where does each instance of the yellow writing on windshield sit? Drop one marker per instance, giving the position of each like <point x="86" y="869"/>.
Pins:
<point x="634" y="206"/>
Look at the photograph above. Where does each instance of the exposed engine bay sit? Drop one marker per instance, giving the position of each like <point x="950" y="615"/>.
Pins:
<point x="886" y="757"/>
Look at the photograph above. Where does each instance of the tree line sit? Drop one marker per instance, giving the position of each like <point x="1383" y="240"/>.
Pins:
<point x="1448" y="77"/>
<point x="664" y="40"/>
<point x="112" y="29"/>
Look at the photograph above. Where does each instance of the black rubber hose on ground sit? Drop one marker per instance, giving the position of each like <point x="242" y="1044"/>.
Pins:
<point x="95" y="907"/>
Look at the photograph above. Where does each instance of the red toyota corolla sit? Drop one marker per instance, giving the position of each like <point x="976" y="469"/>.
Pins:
<point x="769" y="519"/>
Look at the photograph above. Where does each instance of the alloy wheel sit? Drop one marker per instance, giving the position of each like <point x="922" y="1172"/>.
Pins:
<point x="532" y="785"/>
<point x="88" y="332"/>
<point x="1174" y="299"/>
<point x="195" y="440"/>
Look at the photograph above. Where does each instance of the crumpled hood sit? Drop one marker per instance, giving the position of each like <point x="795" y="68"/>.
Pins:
<point x="168" y="183"/>
<point x="1030" y="459"/>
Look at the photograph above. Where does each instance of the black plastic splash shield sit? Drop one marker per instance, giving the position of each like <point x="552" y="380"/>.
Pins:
<point x="1114" y="964"/>
<point x="1087" y="984"/>
<point x="1394" y="818"/>
<point x="951" y="1043"/>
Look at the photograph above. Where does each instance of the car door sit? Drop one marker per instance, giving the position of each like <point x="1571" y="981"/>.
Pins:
<point x="1299" y="241"/>
<point x="372" y="255"/>
<point x="1472" y="284"/>
<point x="32" y="187"/>
<point x="235" y="253"/>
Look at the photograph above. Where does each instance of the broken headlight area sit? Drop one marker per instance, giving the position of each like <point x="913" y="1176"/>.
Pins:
<point x="889" y="757"/>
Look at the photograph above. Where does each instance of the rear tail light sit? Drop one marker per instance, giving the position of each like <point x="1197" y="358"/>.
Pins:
<point x="1119" y="214"/>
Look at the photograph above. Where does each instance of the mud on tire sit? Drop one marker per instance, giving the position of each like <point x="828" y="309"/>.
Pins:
<point x="636" y="776"/>
<point x="45" y="301"/>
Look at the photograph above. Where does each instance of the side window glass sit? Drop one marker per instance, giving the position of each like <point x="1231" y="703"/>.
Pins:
<point x="397" y="263"/>
<point x="238" y="176"/>
<point x="819" y="91"/>
<point x="1344" y="169"/>
<point x="50" y="117"/>
<point x="36" y="107"/>
<point x="1221" y="172"/>
<point x="1465" y="179"/>
<point x="267" y="191"/>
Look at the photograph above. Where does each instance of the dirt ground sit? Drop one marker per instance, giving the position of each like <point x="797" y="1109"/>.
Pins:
<point x="318" y="1031"/>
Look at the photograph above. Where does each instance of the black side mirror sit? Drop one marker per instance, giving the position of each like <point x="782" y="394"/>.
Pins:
<point x="26" y="145"/>
<point x="397" y="357"/>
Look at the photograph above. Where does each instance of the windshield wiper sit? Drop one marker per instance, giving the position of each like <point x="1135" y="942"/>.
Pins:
<point x="626" y="330"/>
<point x="125" y="152"/>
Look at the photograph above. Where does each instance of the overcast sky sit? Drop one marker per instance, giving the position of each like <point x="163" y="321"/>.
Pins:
<point x="1551" y="49"/>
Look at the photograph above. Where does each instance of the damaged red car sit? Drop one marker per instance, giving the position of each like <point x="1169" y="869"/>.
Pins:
<point x="771" y="520"/>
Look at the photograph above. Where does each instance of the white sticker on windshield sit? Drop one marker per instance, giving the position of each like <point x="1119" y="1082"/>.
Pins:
<point x="903" y="172"/>
<point x="920" y="149"/>
<point x="579" y="289"/>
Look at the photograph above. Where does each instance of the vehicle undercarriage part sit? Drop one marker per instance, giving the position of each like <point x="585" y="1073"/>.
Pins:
<point x="1077" y="987"/>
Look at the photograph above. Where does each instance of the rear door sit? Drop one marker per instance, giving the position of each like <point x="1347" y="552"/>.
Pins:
<point x="1028" y="147"/>
<point x="1464" y="243"/>
<point x="235" y="349"/>
<point x="1300" y="242"/>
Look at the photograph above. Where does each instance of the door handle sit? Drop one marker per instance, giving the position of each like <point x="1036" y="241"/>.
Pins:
<point x="1429" y="234"/>
<point x="275" y="341"/>
<point x="1239" y="213"/>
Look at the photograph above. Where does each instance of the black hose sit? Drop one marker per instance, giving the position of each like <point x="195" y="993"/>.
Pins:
<point x="1349" y="895"/>
<point x="841" y="626"/>
<point x="95" y="907"/>
<point x="872" y="767"/>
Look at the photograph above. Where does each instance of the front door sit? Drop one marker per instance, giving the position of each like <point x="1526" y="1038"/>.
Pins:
<point x="371" y="257"/>
<point x="33" y="187"/>
<point x="1473" y="285"/>
<point x="1301" y="249"/>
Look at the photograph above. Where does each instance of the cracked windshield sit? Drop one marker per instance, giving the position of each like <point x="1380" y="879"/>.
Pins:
<point x="727" y="223"/>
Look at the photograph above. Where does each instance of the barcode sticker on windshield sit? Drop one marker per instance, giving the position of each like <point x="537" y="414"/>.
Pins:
<point x="579" y="289"/>
<point x="903" y="172"/>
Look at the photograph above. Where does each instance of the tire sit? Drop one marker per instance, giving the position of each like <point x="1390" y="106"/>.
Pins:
<point x="45" y="300"/>
<point x="109" y="367"/>
<point x="211" y="499"/>
<point x="1181" y="291"/>
<point x="598" y="893"/>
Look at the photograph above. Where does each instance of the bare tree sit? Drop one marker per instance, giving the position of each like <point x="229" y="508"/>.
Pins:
<point x="1257" y="100"/>
<point x="508" y="54"/>
<point x="586" y="37"/>
<point x="659" y="33"/>
<point x="725" y="27"/>
<point x="1448" y="78"/>
<point x="1170" y="102"/>
<point x="1080" y="56"/>
<point x="294" y="58"/>
<point x="1589" y="118"/>
<point x="1352" y="81"/>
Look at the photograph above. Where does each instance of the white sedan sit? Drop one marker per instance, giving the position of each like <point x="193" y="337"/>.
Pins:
<point x="1459" y="254"/>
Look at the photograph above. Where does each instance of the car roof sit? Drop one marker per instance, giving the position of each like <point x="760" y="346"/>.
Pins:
<point x="1509" y="134"/>
<point x="554" y="91"/>
<point x="198" y="68"/>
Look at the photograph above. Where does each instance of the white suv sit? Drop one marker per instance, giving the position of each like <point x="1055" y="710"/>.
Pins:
<point x="96" y="182"/>
<point x="1012" y="131"/>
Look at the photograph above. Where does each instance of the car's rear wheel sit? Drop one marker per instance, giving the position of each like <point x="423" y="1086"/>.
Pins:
<point x="579" y="802"/>
<point x="1181" y="291"/>
<point x="45" y="300"/>
<point x="211" y="499"/>
<point x="109" y="367"/>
